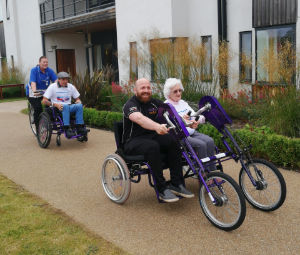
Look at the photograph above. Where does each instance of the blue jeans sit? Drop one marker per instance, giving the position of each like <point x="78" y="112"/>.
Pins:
<point x="70" y="108"/>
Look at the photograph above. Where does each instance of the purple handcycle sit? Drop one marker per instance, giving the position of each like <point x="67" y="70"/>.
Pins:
<point x="261" y="182"/>
<point x="220" y="197"/>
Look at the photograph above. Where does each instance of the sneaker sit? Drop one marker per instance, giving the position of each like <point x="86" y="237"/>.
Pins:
<point x="70" y="133"/>
<point x="168" y="196"/>
<point x="181" y="191"/>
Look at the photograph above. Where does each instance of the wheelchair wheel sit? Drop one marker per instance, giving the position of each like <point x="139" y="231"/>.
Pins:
<point x="230" y="209"/>
<point x="270" y="192"/>
<point x="115" y="179"/>
<point x="31" y="118"/>
<point x="58" y="141"/>
<point x="44" y="130"/>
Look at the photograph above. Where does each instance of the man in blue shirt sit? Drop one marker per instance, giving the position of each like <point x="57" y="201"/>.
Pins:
<point x="40" y="78"/>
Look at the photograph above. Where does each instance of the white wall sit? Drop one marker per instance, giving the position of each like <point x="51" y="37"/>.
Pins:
<point x="66" y="41"/>
<point x="238" y="21"/>
<point x="22" y="33"/>
<point x="1" y="12"/>
<point x="138" y="18"/>
<point x="298" y="45"/>
<point x="170" y="18"/>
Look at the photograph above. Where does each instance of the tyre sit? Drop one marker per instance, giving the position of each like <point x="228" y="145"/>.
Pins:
<point x="58" y="141"/>
<point x="229" y="211"/>
<point x="270" y="192"/>
<point x="31" y="118"/>
<point x="115" y="179"/>
<point x="44" y="130"/>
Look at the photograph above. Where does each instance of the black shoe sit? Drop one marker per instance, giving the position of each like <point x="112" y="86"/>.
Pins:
<point x="81" y="130"/>
<point x="70" y="133"/>
<point x="180" y="191"/>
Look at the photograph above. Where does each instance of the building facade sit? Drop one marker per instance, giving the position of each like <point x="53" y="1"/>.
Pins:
<point x="87" y="34"/>
<point x="250" y="28"/>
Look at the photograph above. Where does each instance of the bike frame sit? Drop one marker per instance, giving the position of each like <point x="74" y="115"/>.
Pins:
<point x="217" y="117"/>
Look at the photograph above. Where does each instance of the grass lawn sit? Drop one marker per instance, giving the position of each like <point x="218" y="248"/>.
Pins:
<point x="28" y="225"/>
<point x="11" y="99"/>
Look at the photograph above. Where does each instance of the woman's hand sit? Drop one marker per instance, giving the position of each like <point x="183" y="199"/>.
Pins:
<point x="194" y="124"/>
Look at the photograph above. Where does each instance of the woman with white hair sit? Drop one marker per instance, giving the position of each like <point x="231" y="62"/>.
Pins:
<point x="203" y="144"/>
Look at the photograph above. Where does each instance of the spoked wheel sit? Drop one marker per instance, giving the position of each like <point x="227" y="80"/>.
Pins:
<point x="229" y="211"/>
<point x="270" y="190"/>
<point x="115" y="179"/>
<point x="31" y="118"/>
<point x="44" y="130"/>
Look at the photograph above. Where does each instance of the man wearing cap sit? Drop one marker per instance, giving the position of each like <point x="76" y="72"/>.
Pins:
<point x="60" y="94"/>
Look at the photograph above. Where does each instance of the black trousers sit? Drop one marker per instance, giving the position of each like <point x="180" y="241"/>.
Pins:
<point x="151" y="146"/>
<point x="37" y="106"/>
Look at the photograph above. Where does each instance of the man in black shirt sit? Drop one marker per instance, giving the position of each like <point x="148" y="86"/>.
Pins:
<point x="144" y="136"/>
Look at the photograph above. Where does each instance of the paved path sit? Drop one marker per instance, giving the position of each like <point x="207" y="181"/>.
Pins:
<point x="68" y="177"/>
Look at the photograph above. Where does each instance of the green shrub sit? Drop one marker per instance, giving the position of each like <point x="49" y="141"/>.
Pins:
<point x="281" y="150"/>
<point x="111" y="118"/>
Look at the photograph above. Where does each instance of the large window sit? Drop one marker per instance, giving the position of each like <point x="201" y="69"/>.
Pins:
<point x="276" y="57"/>
<point x="169" y="58"/>
<point x="246" y="56"/>
<point x="206" y="65"/>
<point x="133" y="61"/>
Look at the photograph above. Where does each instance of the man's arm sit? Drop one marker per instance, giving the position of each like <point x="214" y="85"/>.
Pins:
<point x="33" y="86"/>
<point x="46" y="101"/>
<point x="147" y="123"/>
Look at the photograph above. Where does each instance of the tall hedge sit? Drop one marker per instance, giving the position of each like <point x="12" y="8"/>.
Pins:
<point x="280" y="150"/>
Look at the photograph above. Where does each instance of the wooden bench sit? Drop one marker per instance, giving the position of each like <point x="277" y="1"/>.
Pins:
<point x="21" y="86"/>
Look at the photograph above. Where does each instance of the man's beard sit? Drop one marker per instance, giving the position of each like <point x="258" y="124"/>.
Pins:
<point x="143" y="99"/>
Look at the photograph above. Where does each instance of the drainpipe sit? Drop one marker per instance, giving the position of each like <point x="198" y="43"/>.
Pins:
<point x="90" y="53"/>
<point x="222" y="34"/>
<point x="222" y="20"/>
<point x="87" y="52"/>
<point x="43" y="44"/>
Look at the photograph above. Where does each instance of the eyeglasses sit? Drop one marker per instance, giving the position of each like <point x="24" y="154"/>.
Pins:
<point x="177" y="90"/>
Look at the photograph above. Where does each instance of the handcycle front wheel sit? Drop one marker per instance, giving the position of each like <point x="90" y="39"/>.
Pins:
<point x="229" y="211"/>
<point x="115" y="179"/>
<point x="270" y="190"/>
<point x="31" y="118"/>
<point x="44" y="130"/>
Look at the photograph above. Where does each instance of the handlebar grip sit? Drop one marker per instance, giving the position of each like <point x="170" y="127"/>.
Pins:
<point x="197" y="118"/>
<point x="189" y="113"/>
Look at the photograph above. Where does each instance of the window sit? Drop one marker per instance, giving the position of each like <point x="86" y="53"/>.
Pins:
<point x="97" y="57"/>
<point x="276" y="55"/>
<point x="206" y="59"/>
<point x="168" y="58"/>
<point x="246" y="56"/>
<point x="93" y="3"/>
<point x="133" y="61"/>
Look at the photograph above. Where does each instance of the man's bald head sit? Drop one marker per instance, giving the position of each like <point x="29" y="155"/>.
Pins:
<point x="142" y="90"/>
<point x="142" y="81"/>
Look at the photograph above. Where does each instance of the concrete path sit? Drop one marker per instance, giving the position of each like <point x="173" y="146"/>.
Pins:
<point x="68" y="177"/>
